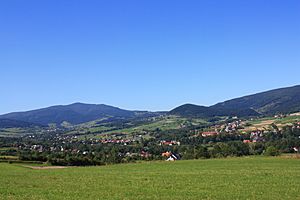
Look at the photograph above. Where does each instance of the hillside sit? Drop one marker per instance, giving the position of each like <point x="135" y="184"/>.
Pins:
<point x="190" y="110"/>
<point x="75" y="113"/>
<point x="10" y="123"/>
<point x="283" y="100"/>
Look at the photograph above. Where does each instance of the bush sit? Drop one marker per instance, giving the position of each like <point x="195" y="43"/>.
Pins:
<point x="271" y="151"/>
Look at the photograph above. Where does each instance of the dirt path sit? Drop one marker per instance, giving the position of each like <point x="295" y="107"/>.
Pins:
<point x="44" y="167"/>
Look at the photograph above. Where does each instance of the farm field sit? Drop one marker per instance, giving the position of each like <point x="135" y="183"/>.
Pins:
<point x="264" y="123"/>
<point x="231" y="178"/>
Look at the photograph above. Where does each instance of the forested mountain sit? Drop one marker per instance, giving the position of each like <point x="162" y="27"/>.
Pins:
<point x="283" y="100"/>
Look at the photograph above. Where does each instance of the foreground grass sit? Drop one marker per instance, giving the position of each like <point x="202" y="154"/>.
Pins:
<point x="234" y="178"/>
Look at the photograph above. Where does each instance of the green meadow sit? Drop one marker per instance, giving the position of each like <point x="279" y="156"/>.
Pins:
<point x="232" y="178"/>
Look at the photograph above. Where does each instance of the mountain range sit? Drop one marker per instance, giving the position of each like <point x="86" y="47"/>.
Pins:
<point x="283" y="100"/>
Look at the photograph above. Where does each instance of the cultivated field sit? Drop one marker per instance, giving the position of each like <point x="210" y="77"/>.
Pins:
<point x="264" y="123"/>
<point x="233" y="178"/>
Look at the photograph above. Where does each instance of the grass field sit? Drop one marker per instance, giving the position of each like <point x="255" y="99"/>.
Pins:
<point x="233" y="178"/>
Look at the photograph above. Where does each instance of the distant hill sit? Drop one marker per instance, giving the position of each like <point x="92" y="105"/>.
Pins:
<point x="190" y="110"/>
<point x="10" y="123"/>
<point x="283" y="100"/>
<point x="75" y="113"/>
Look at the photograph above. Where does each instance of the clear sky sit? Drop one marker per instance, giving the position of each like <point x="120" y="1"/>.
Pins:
<point x="145" y="54"/>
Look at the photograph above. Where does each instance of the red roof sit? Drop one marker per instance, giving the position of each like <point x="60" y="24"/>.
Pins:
<point x="246" y="141"/>
<point x="209" y="133"/>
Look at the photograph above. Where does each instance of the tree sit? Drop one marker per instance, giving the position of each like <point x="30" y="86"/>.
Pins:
<point x="201" y="152"/>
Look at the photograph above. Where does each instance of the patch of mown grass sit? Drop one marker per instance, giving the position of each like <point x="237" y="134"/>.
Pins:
<point x="233" y="178"/>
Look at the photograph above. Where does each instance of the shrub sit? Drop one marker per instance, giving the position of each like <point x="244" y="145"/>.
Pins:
<point x="271" y="151"/>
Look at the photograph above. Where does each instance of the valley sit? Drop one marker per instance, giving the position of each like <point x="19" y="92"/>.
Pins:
<point x="90" y="134"/>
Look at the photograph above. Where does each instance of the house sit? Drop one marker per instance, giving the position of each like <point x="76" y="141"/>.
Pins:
<point x="166" y="154"/>
<point x="36" y="147"/>
<point x="170" y="156"/>
<point x="210" y="133"/>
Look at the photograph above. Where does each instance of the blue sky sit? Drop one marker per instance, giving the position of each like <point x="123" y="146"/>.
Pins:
<point x="142" y="54"/>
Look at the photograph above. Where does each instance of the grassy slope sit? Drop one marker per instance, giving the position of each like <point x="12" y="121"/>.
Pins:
<point x="235" y="178"/>
<point x="165" y="123"/>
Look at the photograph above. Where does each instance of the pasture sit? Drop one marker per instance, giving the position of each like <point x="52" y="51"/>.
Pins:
<point x="231" y="178"/>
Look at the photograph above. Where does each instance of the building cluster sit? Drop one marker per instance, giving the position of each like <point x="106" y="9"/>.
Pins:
<point x="232" y="126"/>
<point x="256" y="136"/>
<point x="36" y="147"/>
<point x="297" y="125"/>
<point x="169" y="143"/>
<point x="117" y="141"/>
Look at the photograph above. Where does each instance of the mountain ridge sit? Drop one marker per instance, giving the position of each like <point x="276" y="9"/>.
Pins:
<point x="282" y="100"/>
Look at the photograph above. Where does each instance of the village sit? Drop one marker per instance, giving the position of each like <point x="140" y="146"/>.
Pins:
<point x="136" y="146"/>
